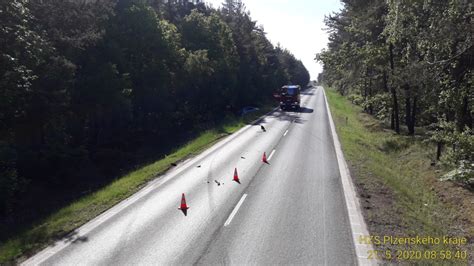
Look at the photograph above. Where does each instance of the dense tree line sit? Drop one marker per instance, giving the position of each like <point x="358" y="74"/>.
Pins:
<point x="91" y="88"/>
<point x="409" y="63"/>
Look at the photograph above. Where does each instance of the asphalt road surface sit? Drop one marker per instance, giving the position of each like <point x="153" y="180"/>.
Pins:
<point x="289" y="211"/>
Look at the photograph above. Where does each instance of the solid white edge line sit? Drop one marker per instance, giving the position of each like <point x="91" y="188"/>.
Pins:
<point x="286" y="132"/>
<point x="236" y="209"/>
<point x="271" y="154"/>
<point x="351" y="198"/>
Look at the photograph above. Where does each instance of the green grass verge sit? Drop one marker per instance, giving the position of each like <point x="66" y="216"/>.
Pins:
<point x="394" y="177"/>
<point x="79" y="212"/>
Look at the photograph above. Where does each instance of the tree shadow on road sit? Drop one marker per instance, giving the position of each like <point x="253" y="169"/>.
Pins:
<point x="305" y="110"/>
<point x="74" y="238"/>
<point x="291" y="116"/>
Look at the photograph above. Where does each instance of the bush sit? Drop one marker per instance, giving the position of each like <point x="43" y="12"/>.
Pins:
<point x="464" y="173"/>
<point x="356" y="99"/>
<point x="459" y="153"/>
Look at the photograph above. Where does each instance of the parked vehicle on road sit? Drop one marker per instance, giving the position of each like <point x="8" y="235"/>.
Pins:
<point x="289" y="97"/>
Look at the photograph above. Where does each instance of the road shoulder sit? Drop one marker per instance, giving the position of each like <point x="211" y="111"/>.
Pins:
<point x="357" y="222"/>
<point x="399" y="189"/>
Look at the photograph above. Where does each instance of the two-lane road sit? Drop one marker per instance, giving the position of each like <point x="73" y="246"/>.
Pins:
<point x="295" y="211"/>
<point x="291" y="210"/>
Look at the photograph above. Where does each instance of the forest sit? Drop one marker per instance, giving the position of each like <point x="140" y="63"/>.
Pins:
<point x="90" y="89"/>
<point x="409" y="63"/>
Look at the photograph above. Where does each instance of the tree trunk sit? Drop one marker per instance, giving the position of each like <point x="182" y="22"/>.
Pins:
<point x="411" y="129"/>
<point x="396" y="117"/>
<point x="395" y="111"/>
<point x="410" y="110"/>
<point x="365" y="93"/>
<point x="406" y="87"/>
<point x="439" y="149"/>
<point x="392" y="120"/>
<point x="371" y="107"/>
<point x="466" y="118"/>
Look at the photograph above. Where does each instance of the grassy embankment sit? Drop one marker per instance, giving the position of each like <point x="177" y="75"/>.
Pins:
<point x="77" y="213"/>
<point x="397" y="183"/>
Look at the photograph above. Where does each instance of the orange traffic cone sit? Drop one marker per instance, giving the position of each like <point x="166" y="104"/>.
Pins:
<point x="236" y="176"/>
<point x="264" y="158"/>
<point x="184" y="208"/>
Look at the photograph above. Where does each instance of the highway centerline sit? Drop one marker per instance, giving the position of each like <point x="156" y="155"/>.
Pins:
<point x="236" y="209"/>
<point x="286" y="132"/>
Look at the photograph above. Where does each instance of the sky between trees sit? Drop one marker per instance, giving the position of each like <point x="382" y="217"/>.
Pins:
<point x="286" y="21"/>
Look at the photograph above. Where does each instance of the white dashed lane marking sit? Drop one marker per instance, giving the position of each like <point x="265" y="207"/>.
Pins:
<point x="236" y="209"/>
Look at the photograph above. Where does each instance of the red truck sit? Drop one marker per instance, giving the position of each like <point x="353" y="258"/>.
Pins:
<point x="289" y="97"/>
